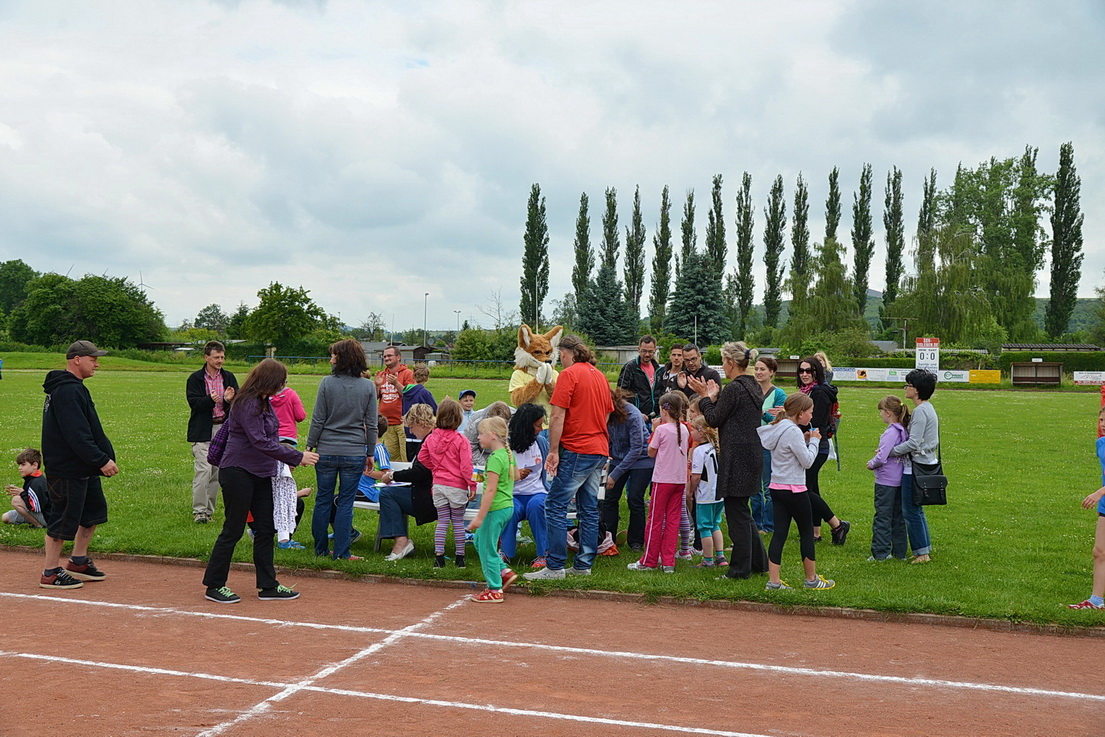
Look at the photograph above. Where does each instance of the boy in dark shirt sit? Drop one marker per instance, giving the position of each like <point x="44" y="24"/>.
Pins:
<point x="30" y="502"/>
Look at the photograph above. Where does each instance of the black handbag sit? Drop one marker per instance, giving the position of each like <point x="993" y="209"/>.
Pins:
<point x="930" y="485"/>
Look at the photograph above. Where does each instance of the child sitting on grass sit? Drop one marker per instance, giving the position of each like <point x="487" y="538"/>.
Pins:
<point x="703" y="490"/>
<point x="29" y="502"/>
<point x="1097" y="499"/>
<point x="496" y="509"/>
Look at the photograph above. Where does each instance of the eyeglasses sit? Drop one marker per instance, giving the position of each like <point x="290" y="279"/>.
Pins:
<point x="805" y="371"/>
<point x="691" y="359"/>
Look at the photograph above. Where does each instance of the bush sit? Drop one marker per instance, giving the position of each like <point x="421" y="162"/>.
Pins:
<point x="1071" y="361"/>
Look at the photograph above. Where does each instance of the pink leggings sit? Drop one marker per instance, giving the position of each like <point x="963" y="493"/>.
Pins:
<point x="662" y="529"/>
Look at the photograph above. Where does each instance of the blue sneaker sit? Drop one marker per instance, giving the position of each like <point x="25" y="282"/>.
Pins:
<point x="290" y="545"/>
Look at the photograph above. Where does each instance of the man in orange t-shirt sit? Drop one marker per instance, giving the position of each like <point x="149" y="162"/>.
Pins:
<point x="390" y="381"/>
<point x="578" y="449"/>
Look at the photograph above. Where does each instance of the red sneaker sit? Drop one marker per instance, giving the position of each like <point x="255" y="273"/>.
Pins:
<point x="539" y="563"/>
<point x="1087" y="604"/>
<point x="509" y="577"/>
<point x="487" y="596"/>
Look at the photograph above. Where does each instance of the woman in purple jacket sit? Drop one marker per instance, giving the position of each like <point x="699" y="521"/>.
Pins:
<point x="252" y="458"/>
<point x="888" y="535"/>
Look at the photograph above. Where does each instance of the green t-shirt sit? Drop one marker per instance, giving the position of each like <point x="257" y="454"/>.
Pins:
<point x="502" y="463"/>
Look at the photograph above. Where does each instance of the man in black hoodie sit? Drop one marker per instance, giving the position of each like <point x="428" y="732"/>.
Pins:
<point x="76" y="453"/>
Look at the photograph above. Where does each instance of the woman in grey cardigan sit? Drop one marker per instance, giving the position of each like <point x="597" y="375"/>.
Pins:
<point x="924" y="439"/>
<point x="343" y="429"/>
<point x="735" y="412"/>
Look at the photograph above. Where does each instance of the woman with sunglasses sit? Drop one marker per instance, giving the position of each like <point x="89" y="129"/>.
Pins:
<point x="811" y="381"/>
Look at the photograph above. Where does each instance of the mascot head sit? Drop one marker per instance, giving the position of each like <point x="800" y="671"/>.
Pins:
<point x="535" y="349"/>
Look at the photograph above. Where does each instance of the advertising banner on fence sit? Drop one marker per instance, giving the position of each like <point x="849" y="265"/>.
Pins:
<point x="899" y="374"/>
<point x="985" y="376"/>
<point x="1092" y="378"/>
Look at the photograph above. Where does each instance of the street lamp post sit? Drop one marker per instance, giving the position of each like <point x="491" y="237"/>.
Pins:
<point x="425" y="306"/>
<point x="458" y="321"/>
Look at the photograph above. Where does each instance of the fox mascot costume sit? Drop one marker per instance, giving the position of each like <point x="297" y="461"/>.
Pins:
<point x="534" y="377"/>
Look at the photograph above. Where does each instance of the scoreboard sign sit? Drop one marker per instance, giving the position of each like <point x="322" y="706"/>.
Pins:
<point x="928" y="354"/>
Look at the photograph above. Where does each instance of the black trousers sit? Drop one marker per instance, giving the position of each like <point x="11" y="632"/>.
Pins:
<point x="788" y="506"/>
<point x="748" y="555"/>
<point x="635" y="483"/>
<point x="818" y="505"/>
<point x="243" y="493"/>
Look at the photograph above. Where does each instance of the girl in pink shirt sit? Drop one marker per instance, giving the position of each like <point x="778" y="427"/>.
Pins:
<point x="669" y="445"/>
<point x="448" y="455"/>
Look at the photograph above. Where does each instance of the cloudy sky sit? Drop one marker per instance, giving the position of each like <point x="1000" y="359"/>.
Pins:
<point x="373" y="152"/>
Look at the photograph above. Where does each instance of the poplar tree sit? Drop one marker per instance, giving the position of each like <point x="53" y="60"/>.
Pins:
<point x="832" y="205"/>
<point x="535" y="259"/>
<point x="715" y="230"/>
<point x="893" y="223"/>
<point x="661" y="265"/>
<point x="743" y="281"/>
<point x="774" y="244"/>
<point x="863" y="244"/>
<point x="635" y="258"/>
<point x="926" y="221"/>
<point x="610" y="238"/>
<point x="689" y="238"/>
<point x="799" y="280"/>
<point x="585" y="257"/>
<point x="1066" y="244"/>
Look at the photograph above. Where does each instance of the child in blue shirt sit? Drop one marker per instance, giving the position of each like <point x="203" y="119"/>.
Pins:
<point x="1097" y="499"/>
<point x="375" y="465"/>
<point x="29" y="502"/>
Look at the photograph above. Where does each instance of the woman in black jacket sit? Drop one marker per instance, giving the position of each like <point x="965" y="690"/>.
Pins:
<point x="811" y="381"/>
<point x="735" y="411"/>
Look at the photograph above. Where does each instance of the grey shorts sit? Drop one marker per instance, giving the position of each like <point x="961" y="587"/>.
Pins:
<point x="450" y="496"/>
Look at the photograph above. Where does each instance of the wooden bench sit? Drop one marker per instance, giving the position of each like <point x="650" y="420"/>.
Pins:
<point x="469" y="513"/>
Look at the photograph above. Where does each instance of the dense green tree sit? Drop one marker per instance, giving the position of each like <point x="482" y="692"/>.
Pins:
<point x="284" y="315"/>
<point x="799" y="280"/>
<point x="695" y="307"/>
<point x="832" y="205"/>
<point x="998" y="205"/>
<point x="948" y="300"/>
<point x="863" y="243"/>
<point x="716" y="249"/>
<point x="1066" y="244"/>
<point x="611" y="243"/>
<point x="1097" y="325"/>
<point x="775" y="235"/>
<point x="831" y="306"/>
<point x="742" y="282"/>
<point x="635" y="257"/>
<point x="110" y="311"/>
<point x="585" y="256"/>
<point x="213" y="318"/>
<point x="894" y="224"/>
<point x="534" y="284"/>
<point x="605" y="316"/>
<point x="236" y="324"/>
<point x="661" y="265"/>
<point x="15" y="280"/>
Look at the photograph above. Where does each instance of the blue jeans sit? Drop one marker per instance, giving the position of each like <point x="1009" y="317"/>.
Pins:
<point x="763" y="511"/>
<point x="577" y="476"/>
<point x="915" y="523"/>
<point x="531" y="508"/>
<point x="329" y="473"/>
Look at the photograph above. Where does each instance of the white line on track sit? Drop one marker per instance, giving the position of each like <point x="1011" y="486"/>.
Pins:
<point x="266" y="705"/>
<point x="288" y="689"/>
<point x="762" y="667"/>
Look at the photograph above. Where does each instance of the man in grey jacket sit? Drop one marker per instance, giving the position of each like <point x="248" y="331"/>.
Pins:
<point x="922" y="445"/>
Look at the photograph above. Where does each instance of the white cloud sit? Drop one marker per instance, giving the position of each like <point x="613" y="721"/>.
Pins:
<point x="374" y="152"/>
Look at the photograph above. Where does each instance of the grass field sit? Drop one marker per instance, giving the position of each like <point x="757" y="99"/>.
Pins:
<point x="1013" y="543"/>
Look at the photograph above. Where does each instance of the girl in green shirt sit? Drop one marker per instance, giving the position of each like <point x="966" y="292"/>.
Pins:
<point x="496" y="509"/>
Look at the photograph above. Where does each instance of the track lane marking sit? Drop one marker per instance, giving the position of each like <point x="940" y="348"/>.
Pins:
<point x="737" y="665"/>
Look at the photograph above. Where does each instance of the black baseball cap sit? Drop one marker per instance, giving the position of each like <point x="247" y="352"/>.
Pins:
<point x="83" y="348"/>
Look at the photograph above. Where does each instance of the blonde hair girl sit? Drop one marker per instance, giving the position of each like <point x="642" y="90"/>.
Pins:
<point x="496" y="509"/>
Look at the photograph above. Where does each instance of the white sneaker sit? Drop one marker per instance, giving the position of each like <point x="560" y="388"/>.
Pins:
<point x="577" y="571"/>
<point x="545" y="574"/>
